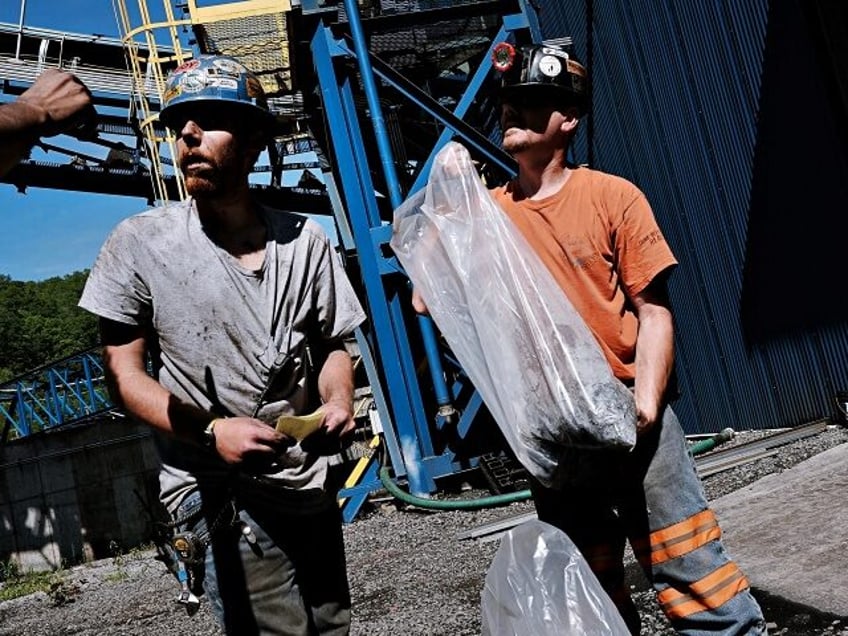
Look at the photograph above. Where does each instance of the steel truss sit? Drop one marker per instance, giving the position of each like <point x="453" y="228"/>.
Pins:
<point x="422" y="432"/>
<point x="51" y="396"/>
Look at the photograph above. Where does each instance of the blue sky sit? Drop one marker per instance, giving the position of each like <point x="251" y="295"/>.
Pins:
<point x="55" y="232"/>
<point x="48" y="232"/>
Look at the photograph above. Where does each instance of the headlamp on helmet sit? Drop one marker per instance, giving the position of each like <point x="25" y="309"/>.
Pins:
<point x="547" y="70"/>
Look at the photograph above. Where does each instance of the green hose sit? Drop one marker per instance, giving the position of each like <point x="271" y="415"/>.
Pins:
<point x="454" y="504"/>
<point x="511" y="497"/>
<point x="711" y="442"/>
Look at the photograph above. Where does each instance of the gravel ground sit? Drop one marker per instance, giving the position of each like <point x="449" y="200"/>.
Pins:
<point x="409" y="574"/>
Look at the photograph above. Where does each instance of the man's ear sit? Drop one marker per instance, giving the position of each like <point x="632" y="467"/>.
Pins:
<point x="256" y="142"/>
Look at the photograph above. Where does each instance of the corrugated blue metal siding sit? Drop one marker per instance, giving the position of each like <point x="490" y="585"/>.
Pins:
<point x="676" y="99"/>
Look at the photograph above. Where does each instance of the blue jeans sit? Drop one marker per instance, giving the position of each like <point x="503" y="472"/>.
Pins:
<point x="287" y="575"/>
<point x="653" y="497"/>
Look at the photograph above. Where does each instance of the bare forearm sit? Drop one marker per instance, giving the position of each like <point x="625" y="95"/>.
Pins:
<point x="237" y="440"/>
<point x="147" y="400"/>
<point x="335" y="384"/>
<point x="654" y="361"/>
<point x="335" y="381"/>
<point x="20" y="124"/>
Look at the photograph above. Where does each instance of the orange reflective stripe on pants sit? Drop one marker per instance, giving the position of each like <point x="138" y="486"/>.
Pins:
<point x="710" y="592"/>
<point x="684" y="537"/>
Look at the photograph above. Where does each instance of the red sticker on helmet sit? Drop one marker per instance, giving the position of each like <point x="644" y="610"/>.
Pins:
<point x="186" y="66"/>
<point x="503" y="57"/>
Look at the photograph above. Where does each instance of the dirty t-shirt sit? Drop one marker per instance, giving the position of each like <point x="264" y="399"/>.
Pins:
<point x="219" y="328"/>
<point x="600" y="240"/>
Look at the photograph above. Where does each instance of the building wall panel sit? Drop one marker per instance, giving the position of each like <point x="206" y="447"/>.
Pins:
<point x="678" y="104"/>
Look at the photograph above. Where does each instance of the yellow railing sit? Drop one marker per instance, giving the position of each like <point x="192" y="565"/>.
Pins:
<point x="149" y="70"/>
<point x="254" y="31"/>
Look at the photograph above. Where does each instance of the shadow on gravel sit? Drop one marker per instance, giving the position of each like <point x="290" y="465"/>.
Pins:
<point x="794" y="619"/>
<point x="790" y="618"/>
<point x="785" y="617"/>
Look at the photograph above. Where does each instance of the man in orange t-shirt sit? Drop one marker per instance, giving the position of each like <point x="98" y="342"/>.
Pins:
<point x="597" y="235"/>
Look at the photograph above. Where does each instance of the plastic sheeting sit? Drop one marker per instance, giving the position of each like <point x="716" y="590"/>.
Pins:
<point x="540" y="584"/>
<point x="528" y="352"/>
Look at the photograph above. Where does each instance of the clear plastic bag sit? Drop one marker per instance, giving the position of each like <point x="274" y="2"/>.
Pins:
<point x="539" y="583"/>
<point x="528" y="352"/>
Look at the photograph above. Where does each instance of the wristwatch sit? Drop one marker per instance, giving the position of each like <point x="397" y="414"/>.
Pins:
<point x="208" y="438"/>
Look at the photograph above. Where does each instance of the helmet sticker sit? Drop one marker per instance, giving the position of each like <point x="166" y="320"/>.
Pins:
<point x="550" y="66"/>
<point x="186" y="66"/>
<point x="194" y="81"/>
<point x="171" y="93"/>
<point x="546" y="50"/>
<point x="229" y="66"/>
<point x="223" y="82"/>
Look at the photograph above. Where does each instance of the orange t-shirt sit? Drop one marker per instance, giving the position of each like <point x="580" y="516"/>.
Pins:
<point x="600" y="240"/>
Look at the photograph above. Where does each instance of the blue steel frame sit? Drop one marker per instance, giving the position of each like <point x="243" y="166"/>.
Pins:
<point x="405" y="422"/>
<point x="70" y="389"/>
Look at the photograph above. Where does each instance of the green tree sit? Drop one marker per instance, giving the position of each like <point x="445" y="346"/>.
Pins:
<point x="40" y="322"/>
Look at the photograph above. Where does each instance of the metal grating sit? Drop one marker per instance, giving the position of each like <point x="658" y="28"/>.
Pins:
<point x="434" y="51"/>
<point x="260" y="42"/>
<point x="426" y="50"/>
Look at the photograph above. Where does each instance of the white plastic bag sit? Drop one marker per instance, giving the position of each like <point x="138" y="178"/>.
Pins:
<point x="528" y="352"/>
<point x="540" y="584"/>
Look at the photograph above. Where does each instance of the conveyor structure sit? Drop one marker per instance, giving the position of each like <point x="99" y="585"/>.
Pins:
<point x="65" y="391"/>
<point x="368" y="91"/>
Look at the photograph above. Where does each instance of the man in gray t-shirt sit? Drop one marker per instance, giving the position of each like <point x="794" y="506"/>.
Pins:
<point x="243" y="310"/>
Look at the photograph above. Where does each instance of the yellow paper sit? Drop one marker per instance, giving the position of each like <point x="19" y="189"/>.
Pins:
<point x="300" y="426"/>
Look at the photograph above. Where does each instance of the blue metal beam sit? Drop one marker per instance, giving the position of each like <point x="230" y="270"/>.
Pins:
<point x="382" y="276"/>
<point x="408" y="416"/>
<point x="55" y="395"/>
<point x="366" y="73"/>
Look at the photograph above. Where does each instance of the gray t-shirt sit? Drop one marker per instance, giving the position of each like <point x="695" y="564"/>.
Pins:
<point x="220" y="328"/>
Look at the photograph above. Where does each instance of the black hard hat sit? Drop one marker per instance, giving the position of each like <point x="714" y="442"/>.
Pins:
<point x="548" y="70"/>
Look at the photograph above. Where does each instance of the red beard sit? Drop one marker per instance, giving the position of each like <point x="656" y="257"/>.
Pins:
<point x="206" y="177"/>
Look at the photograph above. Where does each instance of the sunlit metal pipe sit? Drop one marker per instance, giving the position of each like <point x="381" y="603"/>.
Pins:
<point x="20" y="30"/>
<point x="392" y="183"/>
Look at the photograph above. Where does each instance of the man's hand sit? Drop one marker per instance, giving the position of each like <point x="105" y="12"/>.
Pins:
<point x="248" y="441"/>
<point x="646" y="416"/>
<point x="57" y="102"/>
<point x="338" y="418"/>
<point x="335" y="430"/>
<point x="418" y="303"/>
<point x="62" y="103"/>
